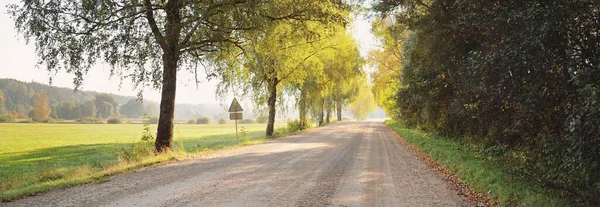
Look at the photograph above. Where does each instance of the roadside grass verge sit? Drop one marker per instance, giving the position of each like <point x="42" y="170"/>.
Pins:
<point x="469" y="164"/>
<point x="67" y="155"/>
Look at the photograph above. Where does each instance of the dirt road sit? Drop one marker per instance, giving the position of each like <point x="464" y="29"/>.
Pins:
<point x="343" y="164"/>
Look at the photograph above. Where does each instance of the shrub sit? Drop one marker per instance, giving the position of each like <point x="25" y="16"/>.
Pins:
<point x="89" y="120"/>
<point x="114" y="120"/>
<point x="203" y="120"/>
<point x="147" y="134"/>
<point x="153" y="120"/>
<point x="53" y="121"/>
<point x="296" y="125"/>
<point x="191" y="121"/>
<point x="243" y="132"/>
<point x="262" y="119"/>
<point x="7" y="118"/>
<point x="222" y="121"/>
<point x="247" y="121"/>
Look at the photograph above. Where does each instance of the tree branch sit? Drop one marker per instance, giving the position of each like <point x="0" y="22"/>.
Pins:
<point x="152" y="22"/>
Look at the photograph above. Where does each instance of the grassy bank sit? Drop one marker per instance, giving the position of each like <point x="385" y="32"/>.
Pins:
<point x="40" y="157"/>
<point x="469" y="164"/>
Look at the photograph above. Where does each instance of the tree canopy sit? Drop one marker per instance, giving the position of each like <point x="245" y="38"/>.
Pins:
<point x="148" y="41"/>
<point x="518" y="77"/>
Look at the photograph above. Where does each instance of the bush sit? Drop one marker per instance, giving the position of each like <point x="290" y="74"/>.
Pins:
<point x="53" y="121"/>
<point x="297" y="125"/>
<point x="191" y="121"/>
<point x="114" y="120"/>
<point x="7" y="118"/>
<point x="247" y="121"/>
<point x="262" y="119"/>
<point x="153" y="120"/>
<point x="203" y="120"/>
<point x="222" y="121"/>
<point x="89" y="120"/>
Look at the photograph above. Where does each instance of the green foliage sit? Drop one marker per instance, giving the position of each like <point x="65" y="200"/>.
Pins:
<point x="106" y="106"/>
<point x="243" y="132"/>
<point x="89" y="120"/>
<point x="191" y="121"/>
<point x="145" y="44"/>
<point x="132" y="109"/>
<point x="262" y="119"/>
<point x="136" y="152"/>
<point x="203" y="120"/>
<point x="364" y="102"/>
<point x="297" y="125"/>
<point x="71" y="111"/>
<point x="147" y="134"/>
<point x="4" y="118"/>
<point x="222" y="121"/>
<point x="113" y="120"/>
<point x="515" y="75"/>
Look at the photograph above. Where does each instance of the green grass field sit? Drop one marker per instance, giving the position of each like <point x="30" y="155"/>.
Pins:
<point x="32" y="155"/>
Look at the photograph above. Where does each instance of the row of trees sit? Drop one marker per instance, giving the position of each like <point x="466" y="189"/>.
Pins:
<point x="149" y="42"/>
<point x="318" y="67"/>
<point x="520" y="77"/>
<point x="103" y="106"/>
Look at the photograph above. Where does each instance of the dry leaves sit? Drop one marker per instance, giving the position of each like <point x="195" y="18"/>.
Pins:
<point x="476" y="198"/>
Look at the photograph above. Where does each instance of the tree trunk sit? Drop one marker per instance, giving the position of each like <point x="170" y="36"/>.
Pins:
<point x="272" y="88"/>
<point x="321" y="113"/>
<point x="338" y="108"/>
<point x="164" y="134"/>
<point x="328" y="112"/>
<point x="302" y="109"/>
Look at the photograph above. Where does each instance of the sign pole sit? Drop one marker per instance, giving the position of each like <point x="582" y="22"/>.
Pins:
<point x="235" y="113"/>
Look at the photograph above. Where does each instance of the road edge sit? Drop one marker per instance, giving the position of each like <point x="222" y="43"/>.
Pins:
<point x="476" y="198"/>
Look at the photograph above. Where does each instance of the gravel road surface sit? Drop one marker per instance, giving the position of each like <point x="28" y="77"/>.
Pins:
<point x="342" y="164"/>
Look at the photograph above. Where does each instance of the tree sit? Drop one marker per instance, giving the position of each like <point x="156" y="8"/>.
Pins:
<point x="364" y="102"/>
<point x="203" y="120"/>
<point x="88" y="109"/>
<point x="2" y="103"/>
<point x="151" y="109"/>
<point x="132" y="109"/>
<point x="105" y="110"/>
<point x="279" y="58"/>
<point x="329" y="84"/>
<point x="68" y="110"/>
<point x="106" y="106"/>
<point x="41" y="107"/>
<point x="387" y="61"/>
<point x="130" y="35"/>
<point x="520" y="76"/>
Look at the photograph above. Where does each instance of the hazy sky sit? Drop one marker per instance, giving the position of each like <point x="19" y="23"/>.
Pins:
<point x="18" y="60"/>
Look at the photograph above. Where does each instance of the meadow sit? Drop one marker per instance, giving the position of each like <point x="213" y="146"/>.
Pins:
<point x="39" y="157"/>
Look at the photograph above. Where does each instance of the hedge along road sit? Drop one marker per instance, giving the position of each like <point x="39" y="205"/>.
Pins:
<point x="342" y="164"/>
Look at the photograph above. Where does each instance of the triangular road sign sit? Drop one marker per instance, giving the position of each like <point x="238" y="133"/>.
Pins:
<point x="235" y="106"/>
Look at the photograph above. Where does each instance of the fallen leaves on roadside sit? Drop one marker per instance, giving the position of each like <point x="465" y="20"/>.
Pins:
<point x="477" y="198"/>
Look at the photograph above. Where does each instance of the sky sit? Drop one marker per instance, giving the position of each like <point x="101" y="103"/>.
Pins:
<point x="18" y="61"/>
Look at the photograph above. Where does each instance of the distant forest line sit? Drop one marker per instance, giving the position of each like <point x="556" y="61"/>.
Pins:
<point x="17" y="98"/>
